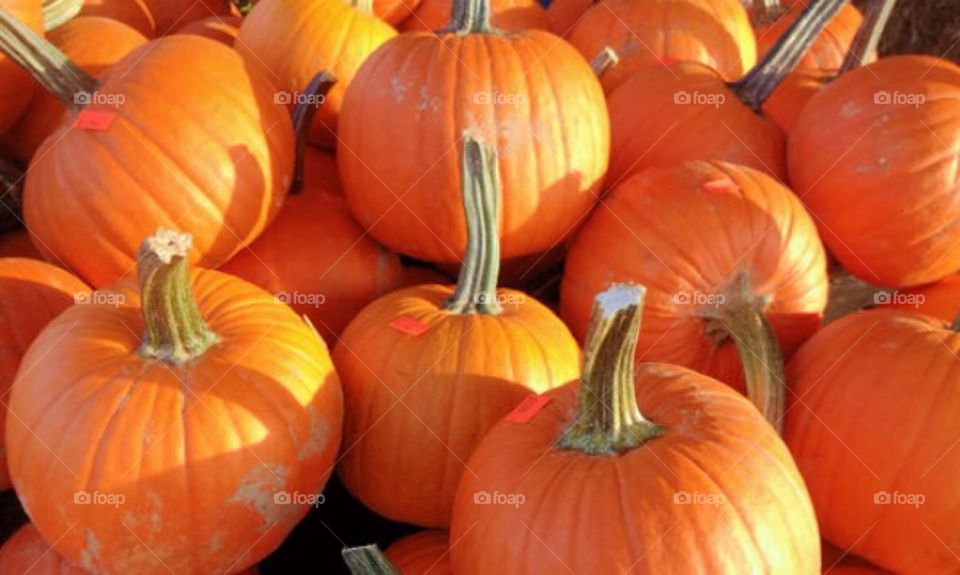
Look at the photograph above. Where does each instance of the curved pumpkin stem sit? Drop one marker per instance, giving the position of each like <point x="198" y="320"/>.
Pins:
<point x="477" y="286"/>
<point x="11" y="195"/>
<point x="604" y="60"/>
<point x="175" y="330"/>
<point x="367" y="560"/>
<point x="365" y="6"/>
<point x="754" y="88"/>
<point x="303" y="116"/>
<point x="48" y="65"/>
<point x="608" y="419"/>
<point x="766" y="11"/>
<point x="58" y="12"/>
<point x="863" y="49"/>
<point x="470" y="17"/>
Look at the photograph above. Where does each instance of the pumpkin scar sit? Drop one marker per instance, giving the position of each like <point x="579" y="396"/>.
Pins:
<point x="258" y="490"/>
<point x="90" y="556"/>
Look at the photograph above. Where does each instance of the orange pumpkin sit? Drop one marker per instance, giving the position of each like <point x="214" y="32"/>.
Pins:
<point x="394" y="11"/>
<point x="875" y="396"/>
<point x="828" y="50"/>
<point x="133" y="13"/>
<point x="87" y="191"/>
<point x="427" y="370"/>
<point x="423" y="553"/>
<point x="715" y="33"/>
<point x="876" y="137"/>
<point x="94" y="44"/>
<point x="749" y="261"/>
<point x="223" y="29"/>
<point x="16" y="87"/>
<point x="199" y="413"/>
<point x="563" y="15"/>
<point x="510" y="15"/>
<point x="940" y="300"/>
<point x="31" y="294"/>
<point x="170" y="15"/>
<point x="652" y="469"/>
<point x="545" y="111"/>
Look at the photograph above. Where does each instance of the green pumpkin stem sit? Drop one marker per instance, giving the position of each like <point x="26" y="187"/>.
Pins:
<point x="608" y="419"/>
<point x="243" y="6"/>
<point x="367" y="560"/>
<point x="603" y="61"/>
<point x="303" y="115"/>
<point x="175" y="331"/>
<point x="863" y="49"/>
<point x="11" y="195"/>
<point x="48" y="65"/>
<point x="470" y="17"/>
<point x="476" y="290"/>
<point x="365" y="6"/>
<point x="754" y="88"/>
<point x="740" y="316"/>
<point x="58" y="12"/>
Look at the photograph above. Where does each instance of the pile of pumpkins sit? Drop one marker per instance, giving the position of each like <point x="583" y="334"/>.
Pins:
<point x="241" y="224"/>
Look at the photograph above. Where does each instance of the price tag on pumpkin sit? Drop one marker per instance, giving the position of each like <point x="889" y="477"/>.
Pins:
<point x="527" y="408"/>
<point x="95" y="120"/>
<point x="408" y="325"/>
<point x="719" y="186"/>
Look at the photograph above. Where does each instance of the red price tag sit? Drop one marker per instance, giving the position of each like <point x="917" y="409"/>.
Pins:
<point x="95" y="120"/>
<point x="527" y="408"/>
<point x="719" y="186"/>
<point x="408" y="325"/>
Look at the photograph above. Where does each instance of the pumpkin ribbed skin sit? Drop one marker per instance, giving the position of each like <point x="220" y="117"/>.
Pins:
<point x="200" y="452"/>
<point x="331" y="35"/>
<point x="626" y="505"/>
<point x="940" y="300"/>
<point x="223" y="29"/>
<point x="864" y="141"/>
<point x="715" y="33"/>
<point x="94" y="44"/>
<point x="786" y="103"/>
<point x="16" y="86"/>
<point x="102" y="192"/>
<point x="170" y="15"/>
<point x="656" y="112"/>
<point x="830" y="47"/>
<point x="133" y="13"/>
<point x="316" y="250"/>
<point x="455" y="380"/>
<point x="874" y="402"/>
<point x="423" y="553"/>
<point x="420" y="92"/>
<point x="31" y="294"/>
<point x="433" y="15"/>
<point x="563" y="15"/>
<point x="666" y="229"/>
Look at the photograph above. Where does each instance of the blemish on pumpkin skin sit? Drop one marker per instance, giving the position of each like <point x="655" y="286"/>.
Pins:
<point x="849" y="110"/>
<point x="319" y="437"/>
<point x="90" y="556"/>
<point x="400" y="89"/>
<point x="258" y="490"/>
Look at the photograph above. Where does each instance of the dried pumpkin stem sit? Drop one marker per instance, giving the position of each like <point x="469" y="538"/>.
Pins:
<point x="365" y="6"/>
<point x="608" y="417"/>
<point x="303" y="115"/>
<point x="863" y="49"/>
<point x="604" y="60"/>
<point x="470" y="17"/>
<point x="11" y="195"/>
<point x="955" y="326"/>
<point x="754" y="88"/>
<point x="175" y="330"/>
<point x="367" y="560"/>
<point x="58" y="12"/>
<point x="476" y="290"/>
<point x="48" y="65"/>
<point x="765" y="11"/>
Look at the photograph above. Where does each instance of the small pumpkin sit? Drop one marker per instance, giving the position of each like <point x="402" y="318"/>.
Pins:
<point x="223" y="29"/>
<point x="423" y="553"/>
<point x="612" y="475"/>
<point x="427" y="370"/>
<point x="198" y="384"/>
<point x="829" y="49"/>
<point x="133" y="13"/>
<point x="16" y="87"/>
<point x="874" y="402"/>
<point x="506" y="15"/>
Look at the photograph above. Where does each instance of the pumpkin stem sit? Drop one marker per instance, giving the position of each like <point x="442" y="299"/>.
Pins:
<point x="848" y="294"/>
<point x="476" y="290"/>
<point x="863" y="49"/>
<point x="175" y="330"/>
<point x="11" y="195"/>
<point x="48" y="65"/>
<point x="739" y="315"/>
<point x="754" y="88"/>
<point x="604" y="60"/>
<point x="367" y="560"/>
<point x="608" y="420"/>
<point x="243" y="6"/>
<point x="955" y="326"/>
<point x="766" y="11"/>
<point x="303" y="115"/>
<point x="365" y="6"/>
<point x="58" y="12"/>
<point x="470" y="17"/>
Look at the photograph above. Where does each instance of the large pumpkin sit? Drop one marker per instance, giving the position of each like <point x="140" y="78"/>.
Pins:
<point x="749" y="255"/>
<point x="409" y="106"/>
<point x="427" y="370"/>
<point x="874" y="403"/>
<point x="508" y="15"/>
<point x="16" y="87"/>
<point x="871" y="158"/>
<point x="31" y="294"/>
<point x="647" y="469"/>
<point x="423" y="553"/>
<point x="200" y="415"/>
<point x="133" y="13"/>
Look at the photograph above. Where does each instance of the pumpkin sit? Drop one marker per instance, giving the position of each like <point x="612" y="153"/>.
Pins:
<point x="563" y="15"/>
<point x="419" y="93"/>
<point x="198" y="384"/>
<point x="223" y="181"/>
<point x="646" y="469"/>
<point x="335" y="35"/>
<point x="749" y="263"/>
<point x="133" y="13"/>
<point x="394" y="11"/>
<point x="427" y="370"/>
<point x="223" y="29"/>
<point x="172" y="14"/>
<point x="859" y="411"/>
<point x="17" y="244"/>
<point x="829" y="49"/>
<point x="508" y="15"/>
<point x="16" y="87"/>
<point x="654" y="112"/>
<point x="414" y="274"/>
<point x="31" y="294"/>
<point x="878" y="136"/>
<point x="423" y="553"/>
<point x="838" y="562"/>
<point x="940" y="300"/>
<point x="715" y="33"/>
<point x="94" y="44"/>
